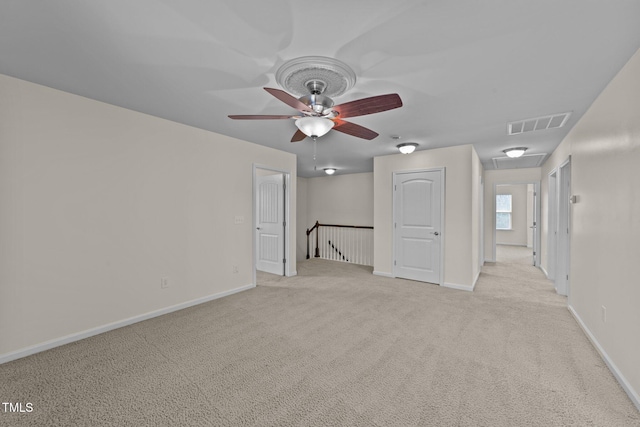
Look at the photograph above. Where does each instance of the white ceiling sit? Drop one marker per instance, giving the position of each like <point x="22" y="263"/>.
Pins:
<point x="463" y="68"/>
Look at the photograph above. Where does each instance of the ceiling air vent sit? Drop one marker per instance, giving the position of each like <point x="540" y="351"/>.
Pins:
<point x="526" y="161"/>
<point x="538" y="123"/>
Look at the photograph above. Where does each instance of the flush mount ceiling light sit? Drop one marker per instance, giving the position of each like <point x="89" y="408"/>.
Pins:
<point x="329" y="171"/>
<point x="514" y="152"/>
<point x="314" y="127"/>
<point x="407" y="147"/>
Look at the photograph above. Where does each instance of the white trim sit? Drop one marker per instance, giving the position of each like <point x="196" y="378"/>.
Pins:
<point x="633" y="395"/>
<point x="515" y="244"/>
<point x="467" y="288"/>
<point x="545" y="272"/>
<point x="380" y="273"/>
<point x="57" y="342"/>
<point x="287" y="215"/>
<point x="552" y="223"/>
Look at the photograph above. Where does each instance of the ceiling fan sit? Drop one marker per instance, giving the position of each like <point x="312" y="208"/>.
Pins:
<point x="319" y="115"/>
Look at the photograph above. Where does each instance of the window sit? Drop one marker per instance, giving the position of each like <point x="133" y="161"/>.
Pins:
<point x="503" y="212"/>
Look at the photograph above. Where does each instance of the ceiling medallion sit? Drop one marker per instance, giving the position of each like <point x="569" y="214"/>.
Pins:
<point x="334" y="76"/>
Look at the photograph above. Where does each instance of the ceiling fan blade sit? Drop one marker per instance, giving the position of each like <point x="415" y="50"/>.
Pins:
<point x="259" y="117"/>
<point x="298" y="136"/>
<point x="288" y="99"/>
<point x="374" y="104"/>
<point x="354" y="129"/>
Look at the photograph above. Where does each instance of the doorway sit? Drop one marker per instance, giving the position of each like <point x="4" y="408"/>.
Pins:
<point x="418" y="203"/>
<point x="270" y="221"/>
<point x="552" y="226"/>
<point x="562" y="279"/>
<point x="516" y="218"/>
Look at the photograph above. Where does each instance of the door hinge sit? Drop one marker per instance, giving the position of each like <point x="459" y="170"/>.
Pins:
<point x="394" y="263"/>
<point x="284" y="260"/>
<point x="284" y="223"/>
<point x="567" y="277"/>
<point x="284" y="186"/>
<point x="395" y="187"/>
<point x="534" y="253"/>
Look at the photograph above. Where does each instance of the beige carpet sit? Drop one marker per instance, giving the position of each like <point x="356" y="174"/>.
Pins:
<point x="335" y="346"/>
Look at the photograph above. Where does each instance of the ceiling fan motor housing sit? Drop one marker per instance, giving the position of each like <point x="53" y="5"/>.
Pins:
<point x="318" y="103"/>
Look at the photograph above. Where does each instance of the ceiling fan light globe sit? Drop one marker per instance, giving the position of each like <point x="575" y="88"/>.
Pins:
<point x="314" y="127"/>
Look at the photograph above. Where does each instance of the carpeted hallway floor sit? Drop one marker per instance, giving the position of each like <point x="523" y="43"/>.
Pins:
<point x="335" y="345"/>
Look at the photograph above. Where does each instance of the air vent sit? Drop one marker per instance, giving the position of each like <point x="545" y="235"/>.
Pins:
<point x="526" y="161"/>
<point x="538" y="123"/>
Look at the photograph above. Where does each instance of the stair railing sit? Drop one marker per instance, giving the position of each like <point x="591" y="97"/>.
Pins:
<point x="346" y="243"/>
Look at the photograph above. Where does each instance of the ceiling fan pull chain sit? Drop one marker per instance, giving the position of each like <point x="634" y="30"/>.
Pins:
<point x="315" y="165"/>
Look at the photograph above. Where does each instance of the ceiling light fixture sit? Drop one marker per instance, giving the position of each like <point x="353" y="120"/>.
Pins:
<point x="514" y="152"/>
<point x="407" y="147"/>
<point x="314" y="127"/>
<point x="329" y="171"/>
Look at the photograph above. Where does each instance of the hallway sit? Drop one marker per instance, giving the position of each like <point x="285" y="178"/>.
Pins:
<point x="514" y="277"/>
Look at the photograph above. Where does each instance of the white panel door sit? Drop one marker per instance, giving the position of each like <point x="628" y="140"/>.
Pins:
<point x="418" y="225"/>
<point x="270" y="224"/>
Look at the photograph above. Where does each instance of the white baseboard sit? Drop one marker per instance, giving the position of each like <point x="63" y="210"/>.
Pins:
<point x="380" y="273"/>
<point x="57" y="342"/>
<point x="544" y="271"/>
<point x="476" y="280"/>
<point x="468" y="288"/>
<point x="633" y="395"/>
<point x="489" y="260"/>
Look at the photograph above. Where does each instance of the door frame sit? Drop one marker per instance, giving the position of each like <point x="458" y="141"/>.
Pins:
<point x="563" y="252"/>
<point x="537" y="235"/>
<point x="552" y="224"/>
<point x="443" y="176"/>
<point x="481" y="225"/>
<point x="287" y="218"/>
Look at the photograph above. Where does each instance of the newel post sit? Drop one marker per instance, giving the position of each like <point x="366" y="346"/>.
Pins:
<point x="317" y="255"/>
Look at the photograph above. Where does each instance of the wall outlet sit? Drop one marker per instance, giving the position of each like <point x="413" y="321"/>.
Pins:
<point x="604" y="314"/>
<point x="239" y="219"/>
<point x="235" y="269"/>
<point x="164" y="283"/>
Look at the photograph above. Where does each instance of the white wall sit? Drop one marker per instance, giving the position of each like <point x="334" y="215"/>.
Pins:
<point x="302" y="205"/>
<point x="460" y="243"/>
<point x="605" y="222"/>
<point x="500" y="176"/>
<point x="477" y="178"/>
<point x="99" y="203"/>
<point x="518" y="233"/>
<point x="341" y="199"/>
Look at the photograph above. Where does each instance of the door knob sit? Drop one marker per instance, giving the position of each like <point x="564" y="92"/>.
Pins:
<point x="258" y="228"/>
<point x="436" y="233"/>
